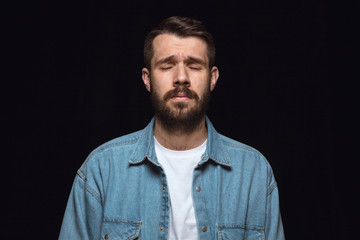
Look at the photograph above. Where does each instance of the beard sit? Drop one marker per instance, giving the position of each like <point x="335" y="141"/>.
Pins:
<point x="180" y="116"/>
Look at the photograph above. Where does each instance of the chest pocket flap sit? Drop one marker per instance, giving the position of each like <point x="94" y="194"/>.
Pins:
<point x="240" y="232"/>
<point x="120" y="229"/>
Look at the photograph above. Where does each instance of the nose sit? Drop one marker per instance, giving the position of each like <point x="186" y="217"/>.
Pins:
<point x="181" y="76"/>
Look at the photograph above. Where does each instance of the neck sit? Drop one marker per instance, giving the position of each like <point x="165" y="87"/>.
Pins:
<point x="179" y="140"/>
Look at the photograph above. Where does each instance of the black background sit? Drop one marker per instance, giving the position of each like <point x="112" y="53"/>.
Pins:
<point x="75" y="72"/>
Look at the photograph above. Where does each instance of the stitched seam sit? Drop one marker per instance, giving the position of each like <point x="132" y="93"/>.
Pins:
<point x="241" y="147"/>
<point x="121" y="220"/>
<point x="111" y="145"/>
<point x="93" y="193"/>
<point x="137" y="145"/>
<point x="271" y="188"/>
<point x="235" y="144"/>
<point x="136" y="234"/>
<point x="239" y="226"/>
<point x="102" y="148"/>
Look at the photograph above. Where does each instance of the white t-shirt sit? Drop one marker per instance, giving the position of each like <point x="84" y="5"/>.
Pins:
<point x="179" y="167"/>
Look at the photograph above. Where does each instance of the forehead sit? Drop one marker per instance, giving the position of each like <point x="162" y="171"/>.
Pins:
<point x="167" y="44"/>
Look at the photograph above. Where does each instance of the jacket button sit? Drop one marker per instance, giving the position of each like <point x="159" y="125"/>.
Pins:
<point x="164" y="187"/>
<point x="198" y="188"/>
<point x="204" y="229"/>
<point x="162" y="228"/>
<point x="106" y="236"/>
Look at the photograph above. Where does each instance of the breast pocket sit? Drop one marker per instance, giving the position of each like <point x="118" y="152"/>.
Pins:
<point x="240" y="232"/>
<point x="120" y="229"/>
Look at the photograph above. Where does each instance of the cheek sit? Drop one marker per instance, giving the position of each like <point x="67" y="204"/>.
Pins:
<point x="162" y="80"/>
<point x="201" y="84"/>
<point x="158" y="89"/>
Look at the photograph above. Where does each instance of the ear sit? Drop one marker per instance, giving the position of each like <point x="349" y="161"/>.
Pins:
<point x="214" y="75"/>
<point x="146" y="78"/>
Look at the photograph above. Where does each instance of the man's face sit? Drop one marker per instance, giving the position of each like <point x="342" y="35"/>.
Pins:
<point x="180" y="81"/>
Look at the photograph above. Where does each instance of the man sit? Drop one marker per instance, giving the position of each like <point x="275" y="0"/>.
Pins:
<point x="177" y="178"/>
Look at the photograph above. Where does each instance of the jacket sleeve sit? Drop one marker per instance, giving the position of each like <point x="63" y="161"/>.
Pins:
<point x="273" y="226"/>
<point x="83" y="214"/>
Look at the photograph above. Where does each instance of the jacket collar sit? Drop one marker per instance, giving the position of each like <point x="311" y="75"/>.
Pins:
<point x="215" y="149"/>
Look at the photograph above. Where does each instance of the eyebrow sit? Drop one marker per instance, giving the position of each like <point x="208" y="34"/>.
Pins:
<point x="195" y="60"/>
<point x="164" y="60"/>
<point x="172" y="57"/>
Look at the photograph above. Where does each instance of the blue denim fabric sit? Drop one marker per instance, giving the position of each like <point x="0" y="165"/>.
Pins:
<point x="120" y="192"/>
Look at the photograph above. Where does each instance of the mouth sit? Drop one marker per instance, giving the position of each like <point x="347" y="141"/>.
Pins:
<point x="181" y="94"/>
<point x="181" y="97"/>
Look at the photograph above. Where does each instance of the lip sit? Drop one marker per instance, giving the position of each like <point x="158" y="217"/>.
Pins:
<point x="181" y="97"/>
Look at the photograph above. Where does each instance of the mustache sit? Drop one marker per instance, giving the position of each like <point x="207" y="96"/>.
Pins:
<point x="183" y="90"/>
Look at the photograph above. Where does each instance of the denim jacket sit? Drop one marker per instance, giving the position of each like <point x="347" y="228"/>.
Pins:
<point x="120" y="192"/>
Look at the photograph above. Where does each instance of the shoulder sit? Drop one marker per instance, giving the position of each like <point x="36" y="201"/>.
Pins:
<point x="233" y="145"/>
<point x="118" y="149"/>
<point x="243" y="153"/>
<point x="118" y="143"/>
<point x="230" y="143"/>
<point x="244" y="157"/>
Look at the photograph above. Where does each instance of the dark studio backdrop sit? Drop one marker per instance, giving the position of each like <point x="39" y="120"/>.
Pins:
<point x="76" y="72"/>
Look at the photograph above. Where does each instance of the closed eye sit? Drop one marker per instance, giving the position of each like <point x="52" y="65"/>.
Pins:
<point x="194" y="67"/>
<point x="166" y="68"/>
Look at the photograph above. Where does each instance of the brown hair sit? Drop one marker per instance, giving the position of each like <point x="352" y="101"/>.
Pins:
<point x="182" y="27"/>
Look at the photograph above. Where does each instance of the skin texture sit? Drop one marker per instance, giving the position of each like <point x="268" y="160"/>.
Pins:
<point x="180" y="80"/>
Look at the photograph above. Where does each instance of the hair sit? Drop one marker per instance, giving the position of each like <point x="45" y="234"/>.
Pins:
<point x="182" y="27"/>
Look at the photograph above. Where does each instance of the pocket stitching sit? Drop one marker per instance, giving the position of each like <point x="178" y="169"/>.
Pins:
<point x="121" y="220"/>
<point x="240" y="226"/>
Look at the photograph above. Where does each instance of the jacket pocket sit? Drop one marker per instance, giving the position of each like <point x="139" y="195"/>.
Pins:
<point x="240" y="232"/>
<point x="120" y="229"/>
